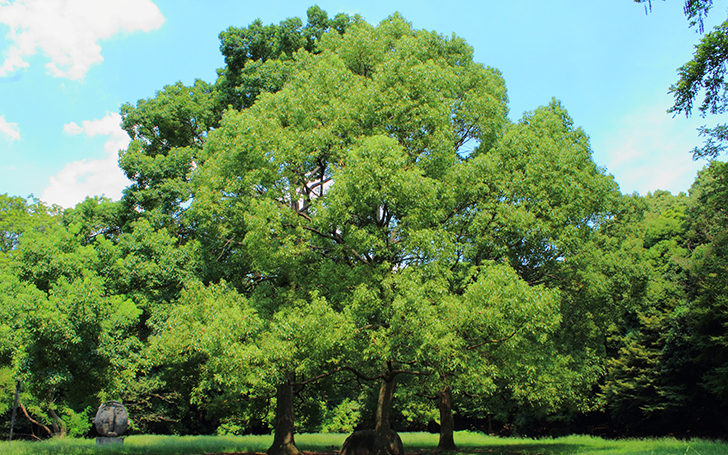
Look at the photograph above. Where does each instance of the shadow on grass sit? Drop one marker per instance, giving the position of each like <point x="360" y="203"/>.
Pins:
<point x="535" y="448"/>
<point x="523" y="449"/>
<point x="505" y="449"/>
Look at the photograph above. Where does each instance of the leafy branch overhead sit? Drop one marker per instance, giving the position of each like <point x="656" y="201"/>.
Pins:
<point x="704" y="75"/>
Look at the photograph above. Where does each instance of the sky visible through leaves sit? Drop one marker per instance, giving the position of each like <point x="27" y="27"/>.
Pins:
<point x="66" y="66"/>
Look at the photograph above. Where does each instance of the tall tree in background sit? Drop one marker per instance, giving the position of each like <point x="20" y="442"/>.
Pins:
<point x="708" y="283"/>
<point x="651" y="378"/>
<point x="169" y="130"/>
<point x="19" y="216"/>
<point x="258" y="57"/>
<point x="667" y="359"/>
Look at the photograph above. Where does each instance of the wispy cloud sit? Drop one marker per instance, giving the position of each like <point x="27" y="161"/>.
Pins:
<point x="11" y="131"/>
<point x="648" y="150"/>
<point x="80" y="179"/>
<point x="69" y="31"/>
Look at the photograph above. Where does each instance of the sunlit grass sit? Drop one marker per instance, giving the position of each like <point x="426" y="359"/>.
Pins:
<point x="142" y="445"/>
<point x="468" y="443"/>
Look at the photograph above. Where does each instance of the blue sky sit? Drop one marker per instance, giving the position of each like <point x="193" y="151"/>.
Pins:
<point x="66" y="66"/>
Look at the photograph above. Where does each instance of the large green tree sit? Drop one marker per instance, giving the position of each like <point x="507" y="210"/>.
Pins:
<point x="72" y="338"/>
<point x="384" y="176"/>
<point x="339" y="179"/>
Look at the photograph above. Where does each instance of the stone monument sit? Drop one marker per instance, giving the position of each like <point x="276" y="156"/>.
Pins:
<point x="111" y="422"/>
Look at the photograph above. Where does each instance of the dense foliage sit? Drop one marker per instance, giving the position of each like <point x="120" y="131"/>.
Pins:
<point x="346" y="231"/>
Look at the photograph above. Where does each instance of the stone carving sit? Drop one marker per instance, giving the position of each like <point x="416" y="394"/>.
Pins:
<point x="111" y="419"/>
<point x="362" y="443"/>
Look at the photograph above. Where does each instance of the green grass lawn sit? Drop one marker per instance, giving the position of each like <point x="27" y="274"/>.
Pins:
<point x="469" y="444"/>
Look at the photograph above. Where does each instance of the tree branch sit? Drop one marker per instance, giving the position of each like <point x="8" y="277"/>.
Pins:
<point x="319" y="377"/>
<point x="361" y="375"/>
<point x="25" y="412"/>
<point x="476" y="346"/>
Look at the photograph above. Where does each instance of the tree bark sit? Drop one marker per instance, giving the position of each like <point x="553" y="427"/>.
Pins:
<point x="59" y="426"/>
<point x="283" y="440"/>
<point x="447" y="423"/>
<point x="382" y="429"/>
<point x="15" y="410"/>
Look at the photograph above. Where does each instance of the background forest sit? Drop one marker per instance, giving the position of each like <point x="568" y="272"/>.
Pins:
<point x="346" y="231"/>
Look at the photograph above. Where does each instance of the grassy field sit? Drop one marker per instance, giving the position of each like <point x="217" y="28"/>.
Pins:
<point x="469" y="444"/>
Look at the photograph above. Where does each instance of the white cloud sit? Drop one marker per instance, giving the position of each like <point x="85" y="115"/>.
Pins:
<point x="649" y="150"/>
<point x="110" y="125"/>
<point x="72" y="128"/>
<point x="80" y="179"/>
<point x="68" y="31"/>
<point x="9" y="130"/>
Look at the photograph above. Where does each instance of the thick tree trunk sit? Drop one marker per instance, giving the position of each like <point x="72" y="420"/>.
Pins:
<point x="283" y="441"/>
<point x="382" y="429"/>
<point x="59" y="426"/>
<point x="447" y="423"/>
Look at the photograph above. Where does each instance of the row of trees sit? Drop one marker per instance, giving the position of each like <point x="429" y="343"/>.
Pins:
<point x="345" y="230"/>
